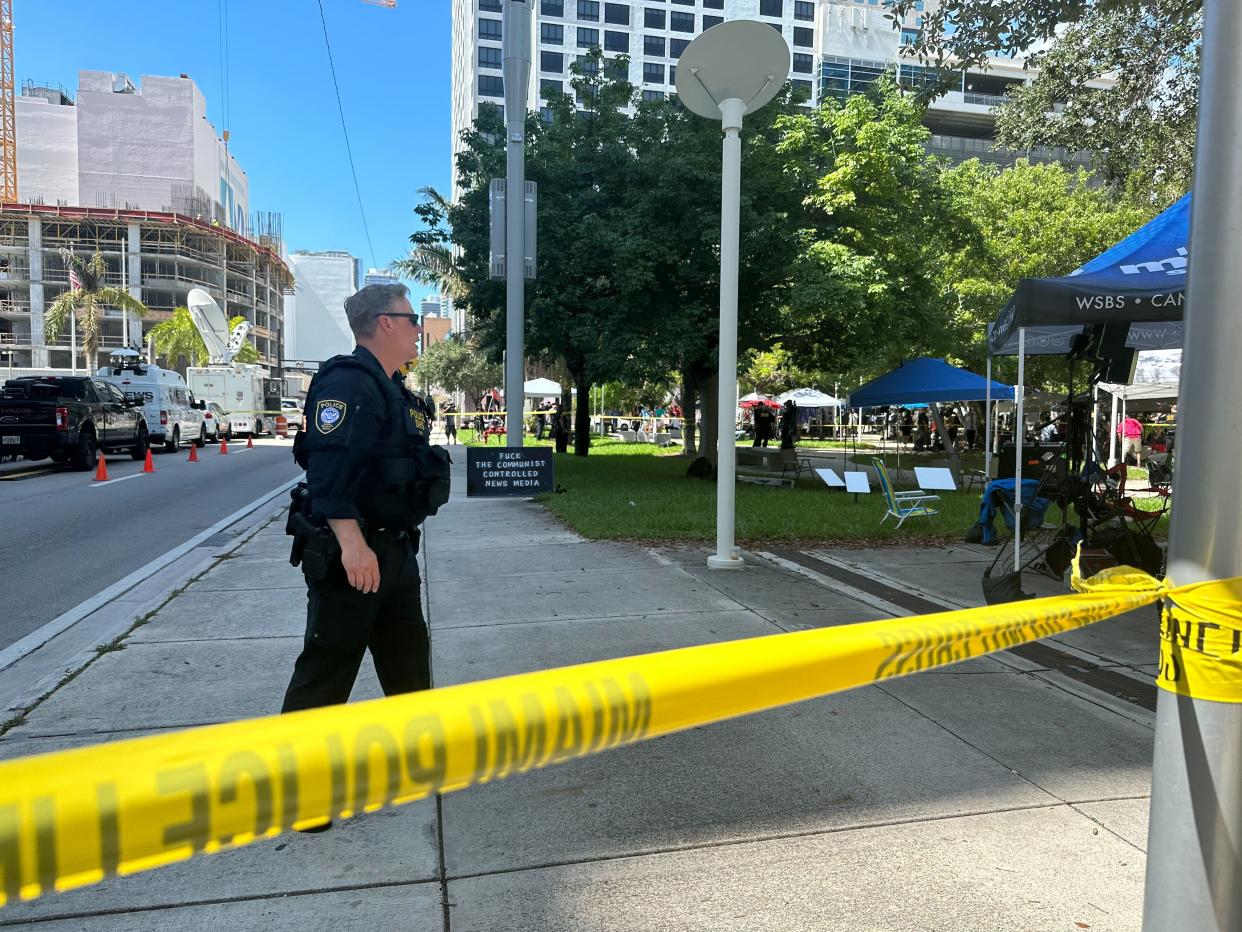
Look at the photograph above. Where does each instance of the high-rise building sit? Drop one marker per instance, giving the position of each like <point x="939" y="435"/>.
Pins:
<point x="431" y="306"/>
<point x="121" y="145"/>
<point x="380" y="277"/>
<point x="317" y="325"/>
<point x="837" y="47"/>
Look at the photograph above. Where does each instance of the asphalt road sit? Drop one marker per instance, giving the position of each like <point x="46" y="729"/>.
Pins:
<point x="64" y="537"/>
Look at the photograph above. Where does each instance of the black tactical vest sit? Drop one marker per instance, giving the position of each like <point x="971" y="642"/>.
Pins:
<point x="406" y="478"/>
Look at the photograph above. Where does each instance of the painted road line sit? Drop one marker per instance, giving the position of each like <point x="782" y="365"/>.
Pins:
<point x="36" y="639"/>
<point x="137" y="475"/>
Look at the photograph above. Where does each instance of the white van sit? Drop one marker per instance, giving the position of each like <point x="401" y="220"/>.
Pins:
<point x="169" y="407"/>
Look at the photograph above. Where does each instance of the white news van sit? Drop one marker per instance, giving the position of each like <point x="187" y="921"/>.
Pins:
<point x="166" y="400"/>
<point x="238" y="389"/>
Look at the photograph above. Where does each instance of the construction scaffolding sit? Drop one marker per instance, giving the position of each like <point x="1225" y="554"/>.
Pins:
<point x="174" y="253"/>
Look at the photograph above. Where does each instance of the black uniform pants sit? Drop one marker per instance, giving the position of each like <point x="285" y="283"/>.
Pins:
<point x="343" y="623"/>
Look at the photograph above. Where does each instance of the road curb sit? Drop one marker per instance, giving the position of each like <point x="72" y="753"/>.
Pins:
<point x="37" y="665"/>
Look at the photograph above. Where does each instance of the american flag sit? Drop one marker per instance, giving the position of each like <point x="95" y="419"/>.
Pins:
<point x="75" y="282"/>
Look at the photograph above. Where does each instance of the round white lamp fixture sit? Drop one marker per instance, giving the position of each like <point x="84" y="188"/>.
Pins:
<point x="728" y="71"/>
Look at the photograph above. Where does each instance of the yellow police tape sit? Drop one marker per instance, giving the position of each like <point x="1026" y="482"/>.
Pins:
<point x="1200" y="630"/>
<point x="74" y="817"/>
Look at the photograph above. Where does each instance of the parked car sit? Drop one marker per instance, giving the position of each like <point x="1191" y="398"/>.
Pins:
<point x="291" y="408"/>
<point x="70" y="419"/>
<point x="215" y="421"/>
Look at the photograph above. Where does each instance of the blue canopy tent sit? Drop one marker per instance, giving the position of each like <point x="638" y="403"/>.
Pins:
<point x="1140" y="281"/>
<point x="926" y="380"/>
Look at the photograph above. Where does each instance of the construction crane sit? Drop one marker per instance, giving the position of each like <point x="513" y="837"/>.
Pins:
<point x="8" y="108"/>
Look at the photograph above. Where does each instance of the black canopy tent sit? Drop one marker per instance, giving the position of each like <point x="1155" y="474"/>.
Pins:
<point x="1140" y="282"/>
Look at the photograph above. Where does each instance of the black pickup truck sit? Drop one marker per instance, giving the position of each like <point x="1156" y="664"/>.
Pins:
<point x="70" y="419"/>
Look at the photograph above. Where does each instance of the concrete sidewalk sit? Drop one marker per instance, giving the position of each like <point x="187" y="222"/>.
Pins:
<point x="1007" y="792"/>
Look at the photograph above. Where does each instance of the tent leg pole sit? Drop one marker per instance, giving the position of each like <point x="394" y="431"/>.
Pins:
<point x="1019" y="438"/>
<point x="1112" y="434"/>
<point x="987" y="423"/>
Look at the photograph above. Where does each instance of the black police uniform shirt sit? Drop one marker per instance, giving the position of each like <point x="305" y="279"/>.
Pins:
<point x="345" y="414"/>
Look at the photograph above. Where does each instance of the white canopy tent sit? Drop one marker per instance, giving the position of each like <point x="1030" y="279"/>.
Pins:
<point x="810" y="398"/>
<point x="542" y="388"/>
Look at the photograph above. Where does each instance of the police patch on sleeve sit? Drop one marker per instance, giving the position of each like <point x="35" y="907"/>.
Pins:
<point x="329" y="415"/>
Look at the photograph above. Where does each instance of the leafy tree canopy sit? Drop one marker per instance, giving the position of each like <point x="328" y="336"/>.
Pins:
<point x="1029" y="221"/>
<point x="1141" y="128"/>
<point x="878" y="222"/>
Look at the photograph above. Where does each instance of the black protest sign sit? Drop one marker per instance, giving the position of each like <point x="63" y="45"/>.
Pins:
<point x="508" y="471"/>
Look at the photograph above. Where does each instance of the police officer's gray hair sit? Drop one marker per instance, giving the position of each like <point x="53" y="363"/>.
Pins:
<point x="368" y="303"/>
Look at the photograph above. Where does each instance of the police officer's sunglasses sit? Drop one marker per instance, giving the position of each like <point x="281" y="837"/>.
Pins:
<point x="413" y="318"/>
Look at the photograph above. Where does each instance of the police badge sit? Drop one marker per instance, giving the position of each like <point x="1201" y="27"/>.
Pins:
<point x="329" y="415"/>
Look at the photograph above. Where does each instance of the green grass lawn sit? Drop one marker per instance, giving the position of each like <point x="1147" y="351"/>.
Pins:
<point x="634" y="491"/>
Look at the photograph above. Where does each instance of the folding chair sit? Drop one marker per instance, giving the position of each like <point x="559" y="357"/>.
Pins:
<point x="791" y="463"/>
<point x="902" y="505"/>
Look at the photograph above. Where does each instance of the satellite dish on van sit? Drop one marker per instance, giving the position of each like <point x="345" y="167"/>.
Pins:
<point x="210" y="321"/>
<point x="237" y="338"/>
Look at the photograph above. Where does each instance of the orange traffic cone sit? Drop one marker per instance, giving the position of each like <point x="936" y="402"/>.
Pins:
<point x="224" y="445"/>
<point x="193" y="454"/>
<point x="149" y="464"/>
<point x="250" y="442"/>
<point x="101" y="471"/>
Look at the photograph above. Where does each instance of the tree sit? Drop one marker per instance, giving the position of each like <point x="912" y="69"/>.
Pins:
<point x="1142" y="128"/>
<point x="86" y="304"/>
<point x="866" y="286"/>
<point x="456" y="366"/>
<point x="674" y="280"/>
<point x="430" y="261"/>
<point x="179" y="342"/>
<point x="1029" y="221"/>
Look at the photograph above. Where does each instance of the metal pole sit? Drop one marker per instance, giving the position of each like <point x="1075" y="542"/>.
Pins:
<point x="73" y="342"/>
<point x="1019" y="438"/>
<point x="987" y="425"/>
<point x="1112" y="430"/>
<point x="1194" y="868"/>
<point x="517" y="83"/>
<point x="725" y="556"/>
<point x="124" y="313"/>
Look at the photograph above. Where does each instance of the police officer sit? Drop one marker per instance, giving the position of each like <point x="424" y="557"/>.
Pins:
<point x="789" y="425"/>
<point x="367" y="459"/>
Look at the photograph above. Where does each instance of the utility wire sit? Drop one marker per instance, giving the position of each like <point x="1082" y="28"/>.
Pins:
<point x="348" y="149"/>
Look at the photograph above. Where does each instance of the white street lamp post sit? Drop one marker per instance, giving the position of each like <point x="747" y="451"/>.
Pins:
<point x="728" y="71"/>
<point x="517" y="18"/>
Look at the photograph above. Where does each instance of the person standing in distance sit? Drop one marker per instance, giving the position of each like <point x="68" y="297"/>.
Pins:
<point x="368" y="461"/>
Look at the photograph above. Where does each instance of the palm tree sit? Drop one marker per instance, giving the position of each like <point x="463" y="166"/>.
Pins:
<point x="431" y="263"/>
<point x="178" y="341"/>
<point x="86" y="304"/>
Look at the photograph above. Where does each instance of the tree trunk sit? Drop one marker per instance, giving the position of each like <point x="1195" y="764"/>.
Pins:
<point x="711" y="389"/>
<point x="567" y="407"/>
<point x="582" y="419"/>
<point x="689" y="401"/>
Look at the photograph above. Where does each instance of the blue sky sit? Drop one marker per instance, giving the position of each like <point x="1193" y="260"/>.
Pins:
<point x="393" y="66"/>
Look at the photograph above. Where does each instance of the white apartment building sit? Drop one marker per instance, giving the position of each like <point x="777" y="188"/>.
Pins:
<point x="317" y="327"/>
<point x="838" y="47"/>
<point x="127" y="146"/>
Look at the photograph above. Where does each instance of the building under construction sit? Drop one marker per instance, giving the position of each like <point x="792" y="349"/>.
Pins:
<point x="165" y="255"/>
<point x="138" y="174"/>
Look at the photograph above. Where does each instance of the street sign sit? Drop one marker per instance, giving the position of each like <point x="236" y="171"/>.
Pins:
<point x="508" y="471"/>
